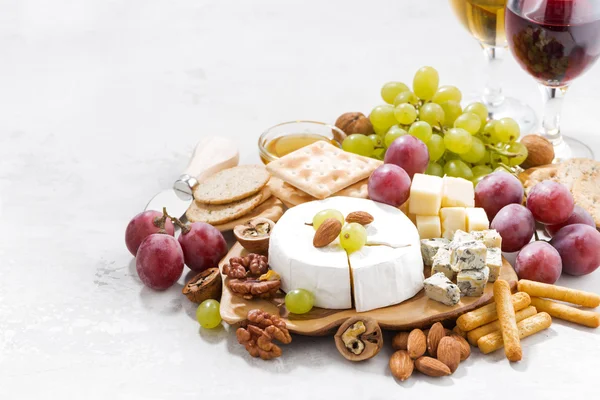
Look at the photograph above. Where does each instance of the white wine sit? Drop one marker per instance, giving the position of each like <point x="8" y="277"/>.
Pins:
<point x="484" y="19"/>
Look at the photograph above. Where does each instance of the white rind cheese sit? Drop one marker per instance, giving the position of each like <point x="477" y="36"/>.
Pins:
<point x="381" y="275"/>
<point x="441" y="263"/>
<point x="493" y="261"/>
<point x="429" y="247"/>
<point x="439" y="288"/>
<point x="472" y="282"/>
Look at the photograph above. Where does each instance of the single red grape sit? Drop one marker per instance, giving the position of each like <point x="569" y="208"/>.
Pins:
<point x="579" y="248"/>
<point x="497" y="190"/>
<point x="143" y="225"/>
<point x="550" y="202"/>
<point x="579" y="216"/>
<point x="538" y="261"/>
<point x="203" y="246"/>
<point x="516" y="225"/>
<point x="409" y="153"/>
<point x="389" y="184"/>
<point x="159" y="261"/>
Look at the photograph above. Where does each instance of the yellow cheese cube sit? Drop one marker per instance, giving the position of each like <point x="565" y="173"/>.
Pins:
<point x="477" y="219"/>
<point x="457" y="192"/>
<point x="429" y="226"/>
<point x="452" y="219"/>
<point x="425" y="195"/>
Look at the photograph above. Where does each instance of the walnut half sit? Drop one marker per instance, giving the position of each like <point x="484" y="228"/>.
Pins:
<point x="259" y="331"/>
<point x="359" y="338"/>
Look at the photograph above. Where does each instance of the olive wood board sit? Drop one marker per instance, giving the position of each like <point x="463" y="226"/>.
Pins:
<point x="416" y="312"/>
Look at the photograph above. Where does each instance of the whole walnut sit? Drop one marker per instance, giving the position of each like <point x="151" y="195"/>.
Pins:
<point x="354" y="122"/>
<point x="539" y="151"/>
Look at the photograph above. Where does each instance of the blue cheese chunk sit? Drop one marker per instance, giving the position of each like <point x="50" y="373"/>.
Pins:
<point x="441" y="263"/>
<point x="462" y="236"/>
<point x="467" y="255"/>
<point x="439" y="288"/>
<point x="472" y="282"/>
<point x="490" y="238"/>
<point x="429" y="248"/>
<point x="493" y="261"/>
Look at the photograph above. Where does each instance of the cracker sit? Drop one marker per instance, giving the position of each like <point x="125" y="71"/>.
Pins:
<point x="322" y="169"/>
<point x="572" y="170"/>
<point x="232" y="184"/>
<point x="271" y="209"/>
<point x="216" y="214"/>
<point x="533" y="176"/>
<point x="586" y="193"/>
<point x="294" y="196"/>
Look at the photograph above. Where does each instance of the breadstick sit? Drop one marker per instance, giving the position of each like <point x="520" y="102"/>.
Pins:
<point x="568" y="313"/>
<point x="486" y="314"/>
<point x="527" y="327"/>
<point x="474" y="335"/>
<point x="538" y="289"/>
<point x="459" y="331"/>
<point x="507" y="320"/>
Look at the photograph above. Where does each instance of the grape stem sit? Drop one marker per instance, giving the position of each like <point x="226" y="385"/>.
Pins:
<point x="501" y="152"/>
<point x="160" y="222"/>
<point x="184" y="227"/>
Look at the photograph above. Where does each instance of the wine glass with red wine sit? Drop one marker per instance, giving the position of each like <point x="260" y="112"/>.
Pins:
<point x="555" y="41"/>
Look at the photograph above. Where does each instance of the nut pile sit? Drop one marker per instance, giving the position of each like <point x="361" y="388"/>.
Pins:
<point x="259" y="331"/>
<point x="250" y="277"/>
<point x="435" y="352"/>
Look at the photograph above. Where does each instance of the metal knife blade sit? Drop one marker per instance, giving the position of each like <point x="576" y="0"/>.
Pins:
<point x="176" y="207"/>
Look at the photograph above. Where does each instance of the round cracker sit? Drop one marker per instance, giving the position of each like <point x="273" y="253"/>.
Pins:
<point x="586" y="193"/>
<point x="216" y="214"/>
<point x="570" y="171"/>
<point x="232" y="184"/>
<point x="533" y="176"/>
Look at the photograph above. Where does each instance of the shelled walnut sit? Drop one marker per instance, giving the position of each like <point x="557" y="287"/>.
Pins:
<point x="259" y="331"/>
<point x="250" y="265"/>
<point x="264" y="287"/>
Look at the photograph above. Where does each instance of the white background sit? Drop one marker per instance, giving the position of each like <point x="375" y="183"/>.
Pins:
<point x="101" y="102"/>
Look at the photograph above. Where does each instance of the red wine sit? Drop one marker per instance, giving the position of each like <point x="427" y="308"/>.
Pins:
<point x="556" y="41"/>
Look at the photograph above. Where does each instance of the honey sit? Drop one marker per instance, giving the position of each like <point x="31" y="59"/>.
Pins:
<point x="286" y="144"/>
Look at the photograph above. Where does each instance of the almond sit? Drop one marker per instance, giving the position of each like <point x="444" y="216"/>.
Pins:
<point x="436" y="333"/>
<point x="416" y="344"/>
<point x="465" y="347"/>
<point x="361" y="217"/>
<point x="401" y="365"/>
<point x="400" y="341"/>
<point x="448" y="352"/>
<point x="431" y="367"/>
<point x="328" y="231"/>
<point x="459" y="332"/>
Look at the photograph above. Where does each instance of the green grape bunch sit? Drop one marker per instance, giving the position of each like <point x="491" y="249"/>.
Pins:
<point x="462" y="142"/>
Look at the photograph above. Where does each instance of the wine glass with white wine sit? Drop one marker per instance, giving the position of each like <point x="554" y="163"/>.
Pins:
<point x="484" y="19"/>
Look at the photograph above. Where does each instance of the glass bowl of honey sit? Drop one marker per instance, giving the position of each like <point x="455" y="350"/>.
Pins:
<point x="287" y="137"/>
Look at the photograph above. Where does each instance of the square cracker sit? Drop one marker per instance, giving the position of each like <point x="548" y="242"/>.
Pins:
<point x="321" y="169"/>
<point x="292" y="196"/>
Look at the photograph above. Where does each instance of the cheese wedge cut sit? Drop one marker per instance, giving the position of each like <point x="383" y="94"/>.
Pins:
<point x="388" y="270"/>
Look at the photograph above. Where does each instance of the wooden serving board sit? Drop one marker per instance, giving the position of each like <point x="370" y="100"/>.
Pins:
<point x="417" y="312"/>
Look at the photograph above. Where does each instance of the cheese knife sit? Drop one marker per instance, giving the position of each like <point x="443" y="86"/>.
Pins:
<point x="210" y="156"/>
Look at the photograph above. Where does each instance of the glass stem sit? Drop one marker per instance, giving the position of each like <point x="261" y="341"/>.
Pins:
<point x="552" y="97"/>
<point x="492" y="94"/>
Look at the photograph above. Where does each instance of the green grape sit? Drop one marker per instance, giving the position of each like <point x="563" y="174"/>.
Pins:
<point x="469" y="122"/>
<point x="425" y="82"/>
<point x="481" y="170"/>
<point x="434" y="169"/>
<point x="208" y="314"/>
<point x="478" y="109"/>
<point x="353" y="237"/>
<point x="452" y="110"/>
<point x="383" y="116"/>
<point x="390" y="90"/>
<point x="488" y="133"/>
<point x="376" y="140"/>
<point x="447" y="93"/>
<point x="451" y="156"/>
<point x="476" y="152"/>
<point x="406" y="97"/>
<point x="421" y="130"/>
<point x="358" y="143"/>
<point x="435" y="145"/>
<point x="432" y="113"/>
<point x="507" y="130"/>
<point x="380" y="131"/>
<point x="458" y="140"/>
<point x="519" y="149"/>
<point x="405" y="113"/>
<point x="394" y="133"/>
<point x="379" y="153"/>
<point x="496" y="159"/>
<point x="321" y="216"/>
<point x="299" y="301"/>
<point x="486" y="160"/>
<point x="458" y="169"/>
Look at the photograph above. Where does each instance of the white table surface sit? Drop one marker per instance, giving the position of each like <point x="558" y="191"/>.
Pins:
<point x="101" y="103"/>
